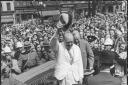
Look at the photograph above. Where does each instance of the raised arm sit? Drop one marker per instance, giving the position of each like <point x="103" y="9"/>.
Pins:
<point x="54" y="43"/>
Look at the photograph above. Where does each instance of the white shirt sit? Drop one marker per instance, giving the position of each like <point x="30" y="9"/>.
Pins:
<point x="64" y="66"/>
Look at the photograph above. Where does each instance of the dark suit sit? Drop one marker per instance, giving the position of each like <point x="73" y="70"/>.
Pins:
<point x="103" y="78"/>
<point x="28" y="60"/>
<point x="87" y="54"/>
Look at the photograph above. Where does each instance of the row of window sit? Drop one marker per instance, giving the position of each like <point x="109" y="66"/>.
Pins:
<point x="8" y="7"/>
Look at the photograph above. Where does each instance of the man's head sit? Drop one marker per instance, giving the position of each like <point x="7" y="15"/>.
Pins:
<point x="27" y="46"/>
<point x="108" y="44"/>
<point x="106" y="59"/>
<point x="122" y="47"/>
<point x="112" y="32"/>
<point x="19" y="45"/>
<point x="68" y="40"/>
<point x="7" y="52"/>
<point x="76" y="36"/>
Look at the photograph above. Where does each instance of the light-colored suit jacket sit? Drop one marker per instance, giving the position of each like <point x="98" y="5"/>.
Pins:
<point x="87" y="53"/>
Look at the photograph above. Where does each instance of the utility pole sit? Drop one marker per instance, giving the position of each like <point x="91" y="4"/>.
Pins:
<point x="14" y="14"/>
<point x="0" y="11"/>
<point x="89" y="9"/>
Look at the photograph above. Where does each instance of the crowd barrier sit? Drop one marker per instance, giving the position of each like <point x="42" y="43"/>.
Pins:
<point x="39" y="75"/>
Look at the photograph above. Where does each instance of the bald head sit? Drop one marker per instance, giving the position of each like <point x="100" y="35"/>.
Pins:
<point x="76" y="34"/>
<point x="68" y="36"/>
<point x="68" y="39"/>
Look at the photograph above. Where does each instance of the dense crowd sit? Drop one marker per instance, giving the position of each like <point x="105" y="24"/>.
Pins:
<point x="31" y="38"/>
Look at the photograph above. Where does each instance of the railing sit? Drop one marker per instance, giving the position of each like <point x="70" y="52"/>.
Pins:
<point x="38" y="75"/>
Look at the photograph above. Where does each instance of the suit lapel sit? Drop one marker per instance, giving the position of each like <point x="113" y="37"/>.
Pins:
<point x="81" y="46"/>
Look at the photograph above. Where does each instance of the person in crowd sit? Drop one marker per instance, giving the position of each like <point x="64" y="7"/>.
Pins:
<point x="10" y="64"/>
<point x="47" y="52"/>
<point x="112" y="34"/>
<point x="28" y="58"/>
<point x="40" y="54"/>
<point x="121" y="64"/>
<point x="105" y="77"/>
<point x="87" y="53"/>
<point x="69" y="60"/>
<point x="108" y="44"/>
<point x="69" y="66"/>
<point x="18" y="50"/>
<point x="5" y="62"/>
<point x="39" y="51"/>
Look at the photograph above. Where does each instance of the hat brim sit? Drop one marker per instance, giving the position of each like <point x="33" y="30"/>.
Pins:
<point x="46" y="45"/>
<point x="6" y="52"/>
<point x="19" y="47"/>
<point x="91" y="38"/>
<point x="27" y="46"/>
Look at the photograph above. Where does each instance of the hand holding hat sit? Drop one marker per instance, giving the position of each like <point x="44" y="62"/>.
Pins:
<point x="65" y="21"/>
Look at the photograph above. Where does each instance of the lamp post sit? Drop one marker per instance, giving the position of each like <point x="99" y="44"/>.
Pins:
<point x="1" y="10"/>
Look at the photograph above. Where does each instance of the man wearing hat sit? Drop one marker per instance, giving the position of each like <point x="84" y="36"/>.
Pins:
<point x="10" y="62"/>
<point x="6" y="60"/>
<point x="104" y="77"/>
<point x="19" y="48"/>
<point x="108" y="43"/>
<point x="28" y="58"/>
<point x="48" y="53"/>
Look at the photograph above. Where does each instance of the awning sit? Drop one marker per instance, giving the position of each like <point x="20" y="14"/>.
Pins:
<point x="7" y="18"/>
<point x="25" y="11"/>
<point x="48" y="13"/>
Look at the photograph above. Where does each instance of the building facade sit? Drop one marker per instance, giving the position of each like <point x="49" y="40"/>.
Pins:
<point x="7" y="12"/>
<point x="25" y="10"/>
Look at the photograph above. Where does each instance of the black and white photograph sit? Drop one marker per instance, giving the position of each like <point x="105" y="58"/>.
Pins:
<point x="59" y="42"/>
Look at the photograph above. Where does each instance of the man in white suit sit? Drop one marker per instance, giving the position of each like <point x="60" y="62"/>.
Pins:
<point x="69" y="65"/>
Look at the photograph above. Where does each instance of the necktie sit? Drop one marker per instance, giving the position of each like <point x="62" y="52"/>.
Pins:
<point x="71" y="57"/>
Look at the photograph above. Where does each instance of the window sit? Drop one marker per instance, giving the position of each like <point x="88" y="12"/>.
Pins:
<point x="8" y="6"/>
<point x="1" y="8"/>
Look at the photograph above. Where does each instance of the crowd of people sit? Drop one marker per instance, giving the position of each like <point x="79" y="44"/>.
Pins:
<point x="26" y="45"/>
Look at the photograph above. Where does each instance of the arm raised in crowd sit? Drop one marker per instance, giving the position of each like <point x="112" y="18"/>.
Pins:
<point x="54" y="42"/>
<point x="107" y="28"/>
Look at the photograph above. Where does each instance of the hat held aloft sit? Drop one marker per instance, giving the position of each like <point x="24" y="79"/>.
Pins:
<point x="65" y="21"/>
<point x="108" y="41"/>
<point x="19" y="45"/>
<point x="7" y="50"/>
